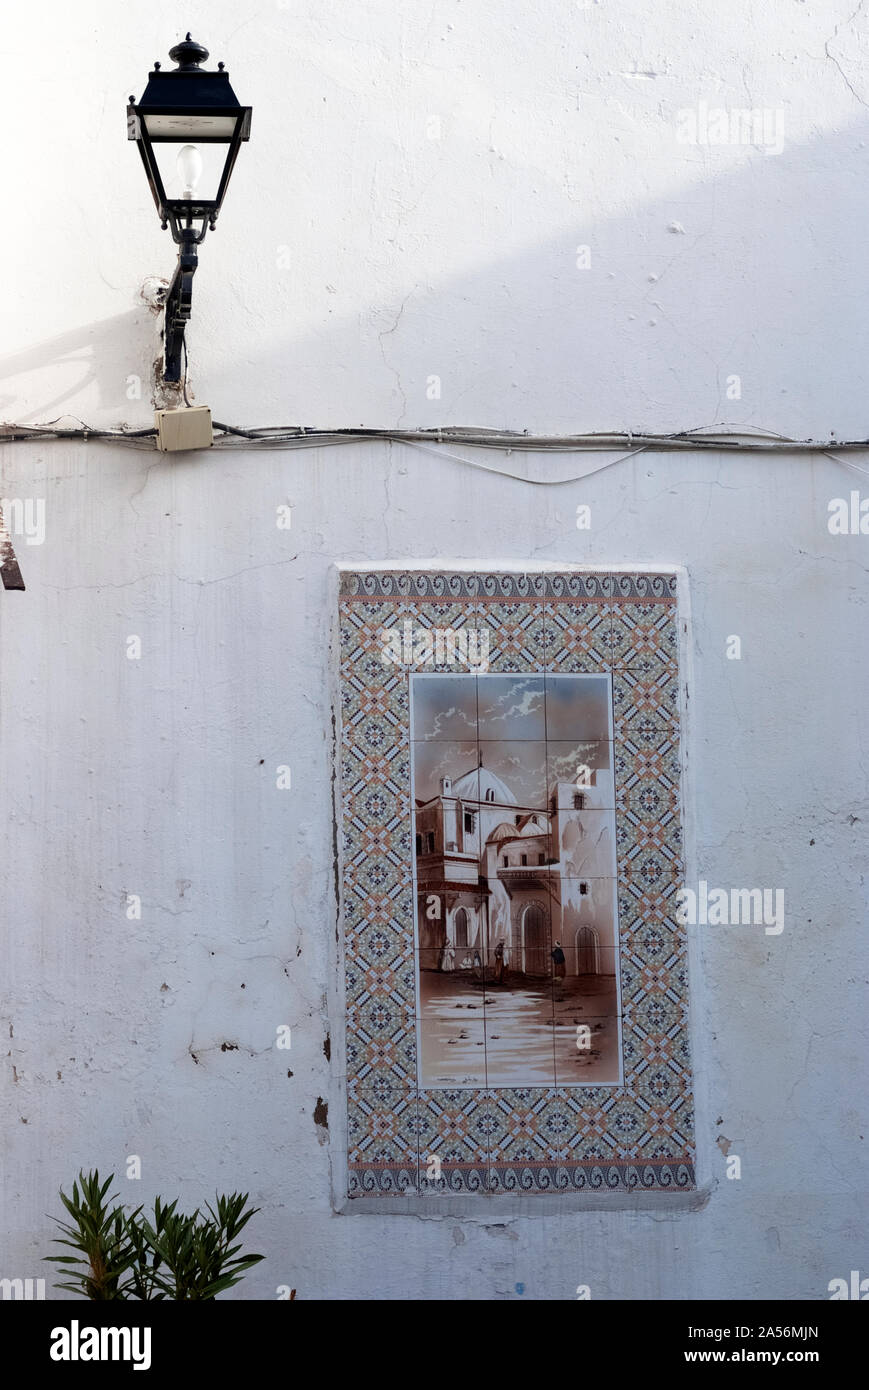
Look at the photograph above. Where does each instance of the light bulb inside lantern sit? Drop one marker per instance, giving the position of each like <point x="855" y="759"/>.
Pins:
<point x="189" y="166"/>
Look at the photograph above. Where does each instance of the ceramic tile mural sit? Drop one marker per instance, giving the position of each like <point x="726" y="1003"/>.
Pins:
<point x="516" y="981"/>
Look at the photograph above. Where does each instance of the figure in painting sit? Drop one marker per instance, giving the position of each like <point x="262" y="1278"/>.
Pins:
<point x="559" y="961"/>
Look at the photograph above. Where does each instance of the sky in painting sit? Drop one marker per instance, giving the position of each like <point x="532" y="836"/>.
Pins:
<point x="531" y="731"/>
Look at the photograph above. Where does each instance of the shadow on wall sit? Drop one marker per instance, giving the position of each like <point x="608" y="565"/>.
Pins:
<point x="81" y="371"/>
<point x="758" y="315"/>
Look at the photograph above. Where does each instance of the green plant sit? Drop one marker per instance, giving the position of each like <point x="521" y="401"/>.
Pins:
<point x="101" y="1234"/>
<point x="200" y="1260"/>
<point x="175" y="1256"/>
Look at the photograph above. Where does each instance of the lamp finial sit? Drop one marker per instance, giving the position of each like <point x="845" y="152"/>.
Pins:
<point x="189" y="54"/>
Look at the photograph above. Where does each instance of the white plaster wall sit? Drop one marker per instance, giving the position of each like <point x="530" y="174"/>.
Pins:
<point x="356" y="256"/>
<point x="123" y="776"/>
<point x="412" y="257"/>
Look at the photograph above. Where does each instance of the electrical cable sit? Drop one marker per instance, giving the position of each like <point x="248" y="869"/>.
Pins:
<point x="478" y="437"/>
<point x="184" y="377"/>
<point x="847" y="463"/>
<point x="432" y="441"/>
<point x="518" y="477"/>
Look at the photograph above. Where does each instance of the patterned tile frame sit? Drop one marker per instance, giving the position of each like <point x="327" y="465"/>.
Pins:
<point x="635" y="1136"/>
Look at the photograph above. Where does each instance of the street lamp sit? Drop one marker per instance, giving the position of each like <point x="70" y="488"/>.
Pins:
<point x="189" y="127"/>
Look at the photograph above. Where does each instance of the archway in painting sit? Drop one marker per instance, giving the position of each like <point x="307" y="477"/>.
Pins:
<point x="535" y="941"/>
<point x="461" y="929"/>
<point x="587" y="949"/>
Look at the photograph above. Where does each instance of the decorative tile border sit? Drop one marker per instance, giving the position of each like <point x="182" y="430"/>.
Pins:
<point x="628" y="585"/>
<point x="633" y="1136"/>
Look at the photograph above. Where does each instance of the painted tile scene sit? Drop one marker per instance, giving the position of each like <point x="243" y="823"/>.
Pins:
<point x="516" y="947"/>
<point x="516" y="979"/>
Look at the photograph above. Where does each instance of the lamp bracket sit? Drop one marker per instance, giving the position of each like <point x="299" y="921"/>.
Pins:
<point x="179" y="299"/>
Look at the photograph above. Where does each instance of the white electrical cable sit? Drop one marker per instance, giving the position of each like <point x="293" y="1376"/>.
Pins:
<point x="519" y="478"/>
<point x="432" y="441"/>
<point x="847" y="462"/>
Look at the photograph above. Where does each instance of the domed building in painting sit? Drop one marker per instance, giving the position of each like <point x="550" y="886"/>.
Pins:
<point x="490" y="883"/>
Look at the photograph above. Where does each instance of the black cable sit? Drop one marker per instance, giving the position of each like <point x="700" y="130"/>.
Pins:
<point x="184" y="376"/>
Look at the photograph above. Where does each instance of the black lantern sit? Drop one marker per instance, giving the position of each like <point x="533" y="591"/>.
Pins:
<point x="189" y="127"/>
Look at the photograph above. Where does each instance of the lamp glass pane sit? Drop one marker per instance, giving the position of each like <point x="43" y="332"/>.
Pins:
<point x="213" y="158"/>
<point x="180" y="126"/>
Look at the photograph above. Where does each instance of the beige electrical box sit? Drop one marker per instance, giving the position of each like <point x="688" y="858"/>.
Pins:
<point x="184" y="429"/>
